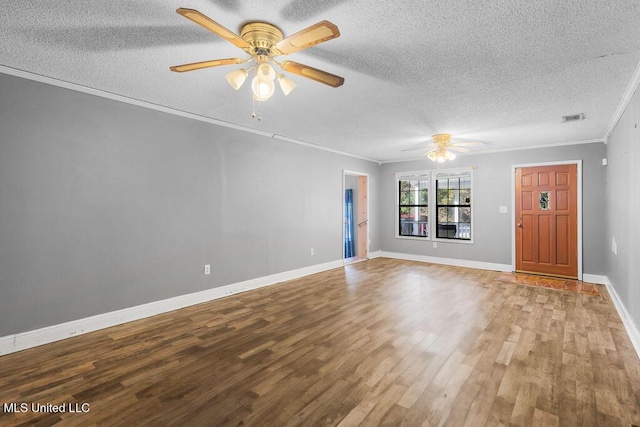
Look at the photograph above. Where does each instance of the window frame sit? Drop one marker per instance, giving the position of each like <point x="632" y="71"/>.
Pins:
<point x="432" y="207"/>
<point x="448" y="174"/>
<point x="417" y="176"/>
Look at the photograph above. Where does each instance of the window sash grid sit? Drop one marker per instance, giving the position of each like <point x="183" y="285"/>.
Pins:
<point x="451" y="188"/>
<point x="414" y="226"/>
<point x="419" y="211"/>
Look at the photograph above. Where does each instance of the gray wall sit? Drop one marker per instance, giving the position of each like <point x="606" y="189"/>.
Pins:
<point x="105" y="205"/>
<point x="492" y="188"/>
<point x="623" y="208"/>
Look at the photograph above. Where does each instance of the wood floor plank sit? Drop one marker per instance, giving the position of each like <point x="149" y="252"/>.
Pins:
<point x="382" y="342"/>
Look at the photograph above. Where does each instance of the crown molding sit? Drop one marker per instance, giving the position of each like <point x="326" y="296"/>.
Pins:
<point x="501" y="150"/>
<point x="624" y="102"/>
<point x="137" y="102"/>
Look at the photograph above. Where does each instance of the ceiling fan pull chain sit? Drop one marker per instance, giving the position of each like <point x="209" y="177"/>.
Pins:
<point x="253" y="112"/>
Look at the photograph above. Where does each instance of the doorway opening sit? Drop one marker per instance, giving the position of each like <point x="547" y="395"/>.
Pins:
<point x="355" y="214"/>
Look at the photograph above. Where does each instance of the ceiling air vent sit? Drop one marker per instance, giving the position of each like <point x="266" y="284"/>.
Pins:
<point x="573" y="117"/>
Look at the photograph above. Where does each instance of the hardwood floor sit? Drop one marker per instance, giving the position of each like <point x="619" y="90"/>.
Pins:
<point x="382" y="342"/>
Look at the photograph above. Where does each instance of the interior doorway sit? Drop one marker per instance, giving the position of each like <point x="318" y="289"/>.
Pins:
<point x="547" y="218"/>
<point x="355" y="214"/>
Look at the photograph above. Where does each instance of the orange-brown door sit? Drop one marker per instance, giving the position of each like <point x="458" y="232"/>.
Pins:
<point x="547" y="220"/>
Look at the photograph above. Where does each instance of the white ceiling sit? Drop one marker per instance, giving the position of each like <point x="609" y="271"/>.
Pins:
<point x="502" y="71"/>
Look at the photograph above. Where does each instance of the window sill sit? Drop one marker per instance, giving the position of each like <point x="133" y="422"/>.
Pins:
<point x="413" y="238"/>
<point x="458" y="242"/>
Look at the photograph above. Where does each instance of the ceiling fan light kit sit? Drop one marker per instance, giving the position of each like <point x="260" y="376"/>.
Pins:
<point x="286" y="84"/>
<point x="443" y="148"/>
<point x="262" y="88"/>
<point x="263" y="42"/>
<point x="236" y="78"/>
<point x="441" y="155"/>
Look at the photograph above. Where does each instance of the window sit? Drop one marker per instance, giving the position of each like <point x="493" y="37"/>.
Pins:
<point x="449" y="206"/>
<point x="453" y="204"/>
<point x="413" y="204"/>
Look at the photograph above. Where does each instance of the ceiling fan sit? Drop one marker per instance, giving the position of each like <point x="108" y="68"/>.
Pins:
<point x="442" y="147"/>
<point x="263" y="42"/>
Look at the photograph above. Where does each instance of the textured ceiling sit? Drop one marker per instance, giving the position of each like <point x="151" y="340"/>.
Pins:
<point x="503" y="72"/>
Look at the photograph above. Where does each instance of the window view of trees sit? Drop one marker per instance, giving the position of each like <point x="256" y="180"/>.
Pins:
<point x="453" y="203"/>
<point x="414" y="207"/>
<point x="450" y="207"/>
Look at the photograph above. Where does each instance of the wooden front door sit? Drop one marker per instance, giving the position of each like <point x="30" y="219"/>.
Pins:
<point x="547" y="220"/>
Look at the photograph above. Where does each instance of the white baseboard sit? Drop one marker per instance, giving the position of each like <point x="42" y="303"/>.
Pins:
<point x="22" y="341"/>
<point x="448" y="261"/>
<point x="595" y="278"/>
<point x="375" y="254"/>
<point x="49" y="334"/>
<point x="629" y="324"/>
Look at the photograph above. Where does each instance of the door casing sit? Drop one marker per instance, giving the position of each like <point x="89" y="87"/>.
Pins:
<point x="359" y="175"/>
<point x="578" y="164"/>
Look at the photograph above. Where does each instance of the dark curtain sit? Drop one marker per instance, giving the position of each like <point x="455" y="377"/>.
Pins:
<point x="349" y="246"/>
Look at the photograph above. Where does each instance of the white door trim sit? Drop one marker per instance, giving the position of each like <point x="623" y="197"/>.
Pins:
<point x="513" y="207"/>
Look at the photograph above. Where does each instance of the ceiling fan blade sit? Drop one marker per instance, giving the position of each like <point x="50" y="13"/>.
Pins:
<point x="420" y="148"/>
<point x="310" y="36"/>
<point x="213" y="26"/>
<point x="456" y="148"/>
<point x="468" y="144"/>
<point x="205" y="64"/>
<point x="312" y="73"/>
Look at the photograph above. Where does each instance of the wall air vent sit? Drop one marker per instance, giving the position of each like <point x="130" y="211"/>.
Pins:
<point x="573" y="117"/>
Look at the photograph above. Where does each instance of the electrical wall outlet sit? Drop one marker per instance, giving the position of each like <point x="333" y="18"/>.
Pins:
<point x="207" y="269"/>
<point x="435" y="245"/>
<point x="313" y="252"/>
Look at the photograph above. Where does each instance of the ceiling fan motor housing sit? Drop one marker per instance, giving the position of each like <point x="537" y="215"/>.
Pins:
<point x="262" y="37"/>
<point x="442" y="138"/>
